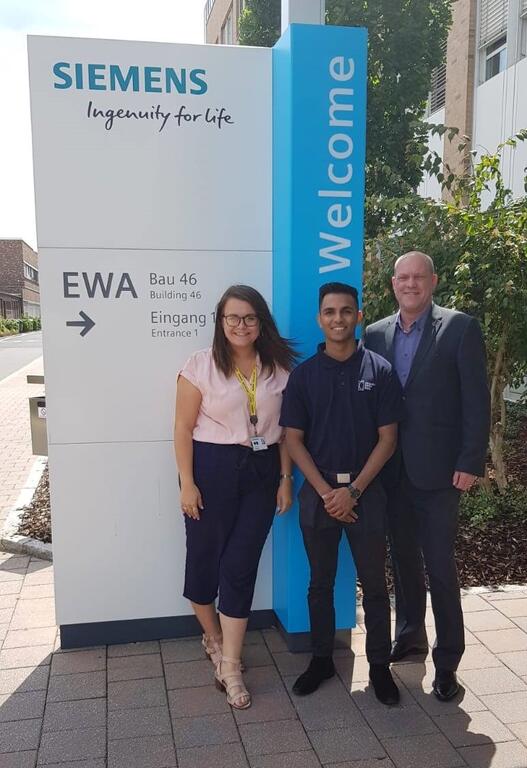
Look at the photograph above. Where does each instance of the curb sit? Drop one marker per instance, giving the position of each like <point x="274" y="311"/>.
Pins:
<point x="20" y="370"/>
<point x="489" y="589"/>
<point x="10" y="540"/>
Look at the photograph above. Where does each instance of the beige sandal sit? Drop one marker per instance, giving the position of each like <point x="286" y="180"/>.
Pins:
<point x="213" y="649"/>
<point x="232" y="683"/>
<point x="212" y="646"/>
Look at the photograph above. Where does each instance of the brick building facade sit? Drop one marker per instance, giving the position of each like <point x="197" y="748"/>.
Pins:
<point x="221" y="21"/>
<point x="19" y="285"/>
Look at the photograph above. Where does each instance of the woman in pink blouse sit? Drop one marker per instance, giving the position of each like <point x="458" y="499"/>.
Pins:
<point x="234" y="471"/>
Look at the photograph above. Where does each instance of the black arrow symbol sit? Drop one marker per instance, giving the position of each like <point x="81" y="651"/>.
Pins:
<point x="87" y="323"/>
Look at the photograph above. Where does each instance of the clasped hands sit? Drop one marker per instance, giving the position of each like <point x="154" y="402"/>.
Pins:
<point x="339" y="504"/>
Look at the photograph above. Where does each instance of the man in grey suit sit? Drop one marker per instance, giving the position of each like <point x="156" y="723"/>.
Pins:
<point x="439" y="356"/>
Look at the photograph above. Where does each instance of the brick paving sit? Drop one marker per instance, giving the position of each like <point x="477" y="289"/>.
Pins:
<point x="16" y="458"/>
<point x="154" y="705"/>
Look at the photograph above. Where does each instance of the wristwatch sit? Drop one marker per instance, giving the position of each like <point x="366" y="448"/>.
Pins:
<point x="285" y="476"/>
<point x="355" y="493"/>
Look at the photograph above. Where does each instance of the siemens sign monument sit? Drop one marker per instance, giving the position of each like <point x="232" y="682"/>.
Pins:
<point x="163" y="174"/>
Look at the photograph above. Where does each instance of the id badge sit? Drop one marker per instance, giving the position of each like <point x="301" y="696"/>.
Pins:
<point x="258" y="444"/>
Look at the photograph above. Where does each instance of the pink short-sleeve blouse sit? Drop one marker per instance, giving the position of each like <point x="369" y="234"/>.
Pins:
<point x="224" y="411"/>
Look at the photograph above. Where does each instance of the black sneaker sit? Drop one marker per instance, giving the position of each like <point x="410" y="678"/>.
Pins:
<point x="320" y="668"/>
<point x="383" y="685"/>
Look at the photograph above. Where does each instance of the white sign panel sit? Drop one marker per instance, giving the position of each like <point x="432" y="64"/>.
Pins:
<point x="142" y="314"/>
<point x="144" y="145"/>
<point x="153" y="190"/>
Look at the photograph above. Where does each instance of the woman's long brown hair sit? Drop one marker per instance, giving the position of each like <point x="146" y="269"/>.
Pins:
<point x="273" y="349"/>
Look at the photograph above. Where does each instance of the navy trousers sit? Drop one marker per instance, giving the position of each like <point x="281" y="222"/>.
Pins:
<point x="238" y="488"/>
<point x="423" y="525"/>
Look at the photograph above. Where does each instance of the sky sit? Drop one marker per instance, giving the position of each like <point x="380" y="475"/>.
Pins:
<point x="175" y="21"/>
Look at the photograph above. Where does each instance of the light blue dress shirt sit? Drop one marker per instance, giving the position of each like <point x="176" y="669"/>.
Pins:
<point x="405" y="344"/>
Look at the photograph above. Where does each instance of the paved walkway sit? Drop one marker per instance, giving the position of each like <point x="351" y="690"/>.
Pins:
<point x="16" y="458"/>
<point x="153" y="705"/>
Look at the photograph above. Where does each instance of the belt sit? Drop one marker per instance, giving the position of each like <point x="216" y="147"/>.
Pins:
<point x="338" y="477"/>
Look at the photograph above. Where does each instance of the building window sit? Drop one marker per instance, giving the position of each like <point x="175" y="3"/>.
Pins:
<point x="208" y="10"/>
<point x="30" y="273"/>
<point x="495" y="58"/>
<point x="31" y="309"/>
<point x="493" y="18"/>
<point x="438" y="85"/>
<point x="492" y="21"/>
<point x="10" y="308"/>
<point x="523" y="27"/>
<point x="243" y="3"/>
<point x="226" y="30"/>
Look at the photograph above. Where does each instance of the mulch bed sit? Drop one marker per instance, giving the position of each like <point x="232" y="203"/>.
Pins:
<point x="487" y="557"/>
<point x="493" y="555"/>
<point x="517" y="452"/>
<point x="36" y="520"/>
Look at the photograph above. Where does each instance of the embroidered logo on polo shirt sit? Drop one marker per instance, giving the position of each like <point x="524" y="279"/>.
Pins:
<point x="365" y="386"/>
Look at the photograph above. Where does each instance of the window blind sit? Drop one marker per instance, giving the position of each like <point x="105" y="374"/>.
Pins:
<point x="493" y="20"/>
<point x="438" y="84"/>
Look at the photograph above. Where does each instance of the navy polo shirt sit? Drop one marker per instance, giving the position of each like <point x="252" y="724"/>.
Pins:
<point x="340" y="406"/>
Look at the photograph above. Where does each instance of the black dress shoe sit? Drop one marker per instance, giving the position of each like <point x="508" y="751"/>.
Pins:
<point x="320" y="668"/>
<point x="445" y="685"/>
<point x="383" y="685"/>
<point x="401" y="652"/>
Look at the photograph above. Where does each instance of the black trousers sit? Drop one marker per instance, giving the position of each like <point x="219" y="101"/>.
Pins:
<point x="423" y="527"/>
<point x="367" y="540"/>
<point x="238" y="487"/>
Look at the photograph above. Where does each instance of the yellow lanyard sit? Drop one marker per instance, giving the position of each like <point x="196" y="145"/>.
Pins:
<point x="250" y="391"/>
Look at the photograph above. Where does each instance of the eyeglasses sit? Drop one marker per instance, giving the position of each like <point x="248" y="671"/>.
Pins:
<point x="233" y="321"/>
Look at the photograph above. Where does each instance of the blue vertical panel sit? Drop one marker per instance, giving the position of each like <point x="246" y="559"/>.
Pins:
<point x="319" y="128"/>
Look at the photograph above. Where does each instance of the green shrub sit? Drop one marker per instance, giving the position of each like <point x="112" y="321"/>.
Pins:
<point x="8" y="327"/>
<point x="480" y="508"/>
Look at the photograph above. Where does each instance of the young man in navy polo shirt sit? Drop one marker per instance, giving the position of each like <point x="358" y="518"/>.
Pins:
<point x="340" y="410"/>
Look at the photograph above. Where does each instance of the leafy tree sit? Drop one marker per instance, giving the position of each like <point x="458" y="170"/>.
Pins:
<point x="414" y="223"/>
<point x="491" y="280"/>
<point x="406" y="41"/>
<point x="260" y="23"/>
<point x="479" y="244"/>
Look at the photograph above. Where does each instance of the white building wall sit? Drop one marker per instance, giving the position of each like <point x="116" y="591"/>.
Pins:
<point x="500" y="112"/>
<point x="430" y="187"/>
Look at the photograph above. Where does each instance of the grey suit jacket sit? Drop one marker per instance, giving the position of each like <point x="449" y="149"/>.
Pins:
<point x="446" y="397"/>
